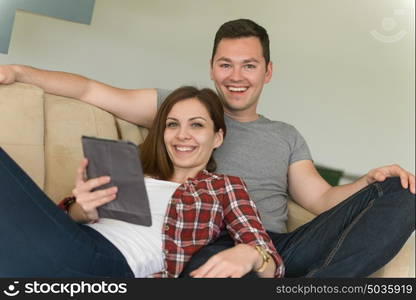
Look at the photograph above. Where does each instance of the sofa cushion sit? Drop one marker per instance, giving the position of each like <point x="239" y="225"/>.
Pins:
<point x="66" y="121"/>
<point x="297" y="216"/>
<point x="22" y="127"/>
<point x="130" y="132"/>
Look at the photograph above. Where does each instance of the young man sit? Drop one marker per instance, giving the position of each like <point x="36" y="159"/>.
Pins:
<point x="359" y="227"/>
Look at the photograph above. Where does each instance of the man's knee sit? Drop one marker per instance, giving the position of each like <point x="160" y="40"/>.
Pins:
<point x="391" y="185"/>
<point x="403" y="199"/>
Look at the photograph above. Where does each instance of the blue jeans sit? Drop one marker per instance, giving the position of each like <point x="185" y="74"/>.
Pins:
<point x="39" y="240"/>
<point x="353" y="239"/>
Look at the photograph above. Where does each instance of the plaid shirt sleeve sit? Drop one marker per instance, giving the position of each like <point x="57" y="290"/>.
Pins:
<point x="243" y="221"/>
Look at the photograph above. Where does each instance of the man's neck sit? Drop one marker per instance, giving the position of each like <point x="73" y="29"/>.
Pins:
<point x="242" y="117"/>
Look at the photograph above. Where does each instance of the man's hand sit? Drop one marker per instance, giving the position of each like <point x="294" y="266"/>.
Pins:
<point x="380" y="174"/>
<point x="7" y="74"/>
<point x="234" y="263"/>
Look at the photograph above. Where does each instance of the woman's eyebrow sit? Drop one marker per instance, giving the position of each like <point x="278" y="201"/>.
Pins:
<point x="191" y="119"/>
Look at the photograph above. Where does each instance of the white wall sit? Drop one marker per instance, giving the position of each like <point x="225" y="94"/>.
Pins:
<point x="351" y="95"/>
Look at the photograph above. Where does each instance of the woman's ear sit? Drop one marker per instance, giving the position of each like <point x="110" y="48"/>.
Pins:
<point x="219" y="138"/>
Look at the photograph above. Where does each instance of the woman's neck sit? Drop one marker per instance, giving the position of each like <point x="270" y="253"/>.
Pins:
<point x="180" y="176"/>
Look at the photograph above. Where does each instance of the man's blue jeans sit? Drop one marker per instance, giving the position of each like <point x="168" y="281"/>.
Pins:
<point x="353" y="239"/>
<point x="37" y="239"/>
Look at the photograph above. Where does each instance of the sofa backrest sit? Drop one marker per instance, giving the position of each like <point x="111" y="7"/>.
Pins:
<point x="22" y="128"/>
<point x="42" y="132"/>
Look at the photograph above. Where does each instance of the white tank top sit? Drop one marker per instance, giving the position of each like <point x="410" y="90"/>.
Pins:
<point x="141" y="245"/>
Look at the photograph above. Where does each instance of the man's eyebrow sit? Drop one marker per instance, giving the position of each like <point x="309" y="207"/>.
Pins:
<point x="250" y="60"/>
<point x="245" y="61"/>
<point x="224" y="59"/>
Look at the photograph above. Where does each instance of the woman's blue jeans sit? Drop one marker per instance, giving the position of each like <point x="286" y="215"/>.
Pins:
<point x="353" y="239"/>
<point x="37" y="239"/>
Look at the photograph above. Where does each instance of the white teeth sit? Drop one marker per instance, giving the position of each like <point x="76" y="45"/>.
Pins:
<point x="184" y="148"/>
<point x="237" y="89"/>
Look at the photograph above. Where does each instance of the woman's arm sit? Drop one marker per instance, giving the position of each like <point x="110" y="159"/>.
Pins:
<point x="244" y="225"/>
<point x="235" y="263"/>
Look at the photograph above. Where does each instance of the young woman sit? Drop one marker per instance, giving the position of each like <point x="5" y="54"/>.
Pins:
<point x="190" y="207"/>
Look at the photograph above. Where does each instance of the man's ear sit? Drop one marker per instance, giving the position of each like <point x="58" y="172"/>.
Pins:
<point x="269" y="72"/>
<point x="210" y="70"/>
<point x="219" y="138"/>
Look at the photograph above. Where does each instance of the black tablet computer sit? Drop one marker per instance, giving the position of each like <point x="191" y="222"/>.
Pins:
<point x="119" y="160"/>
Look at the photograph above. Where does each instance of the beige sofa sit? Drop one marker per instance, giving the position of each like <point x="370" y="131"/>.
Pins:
<point x="42" y="133"/>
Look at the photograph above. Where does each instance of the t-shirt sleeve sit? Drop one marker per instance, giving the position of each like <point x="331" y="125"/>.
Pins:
<point x="299" y="147"/>
<point x="161" y="96"/>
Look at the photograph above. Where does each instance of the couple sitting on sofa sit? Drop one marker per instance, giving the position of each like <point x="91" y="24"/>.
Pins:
<point x="177" y="157"/>
<point x="272" y="158"/>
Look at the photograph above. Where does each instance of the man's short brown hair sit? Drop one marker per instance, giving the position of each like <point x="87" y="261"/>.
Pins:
<point x="242" y="28"/>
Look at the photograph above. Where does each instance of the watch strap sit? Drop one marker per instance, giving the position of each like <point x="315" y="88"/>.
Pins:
<point x="265" y="256"/>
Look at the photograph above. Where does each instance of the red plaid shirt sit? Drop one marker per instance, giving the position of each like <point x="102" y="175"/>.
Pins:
<point x="197" y="212"/>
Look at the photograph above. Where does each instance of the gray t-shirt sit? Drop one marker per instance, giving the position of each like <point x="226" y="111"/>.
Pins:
<point x="260" y="152"/>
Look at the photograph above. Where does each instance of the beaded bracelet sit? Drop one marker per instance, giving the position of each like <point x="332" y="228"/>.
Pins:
<point x="66" y="203"/>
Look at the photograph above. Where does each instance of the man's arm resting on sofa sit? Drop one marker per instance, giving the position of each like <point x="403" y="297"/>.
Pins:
<point x="136" y="106"/>
<point x="313" y="193"/>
